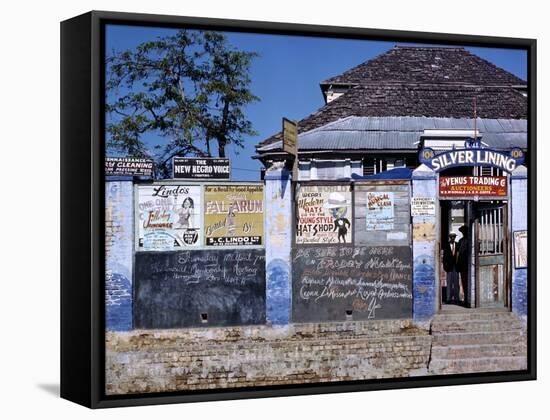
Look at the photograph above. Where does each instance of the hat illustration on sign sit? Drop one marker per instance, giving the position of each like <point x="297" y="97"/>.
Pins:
<point x="452" y="233"/>
<point x="335" y="200"/>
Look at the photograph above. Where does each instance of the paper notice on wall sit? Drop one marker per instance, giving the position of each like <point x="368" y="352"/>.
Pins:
<point x="234" y="215"/>
<point x="520" y="249"/>
<point x="324" y="214"/>
<point x="423" y="206"/>
<point x="380" y="210"/>
<point x="169" y="217"/>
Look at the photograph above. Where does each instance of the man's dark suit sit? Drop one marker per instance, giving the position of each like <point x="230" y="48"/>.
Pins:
<point x="450" y="251"/>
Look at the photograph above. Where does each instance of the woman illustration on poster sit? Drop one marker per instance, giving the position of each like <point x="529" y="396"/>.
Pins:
<point x="186" y="214"/>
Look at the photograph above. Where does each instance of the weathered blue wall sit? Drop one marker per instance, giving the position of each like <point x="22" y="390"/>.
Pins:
<point x="519" y="208"/>
<point x="278" y="231"/>
<point x="424" y="184"/>
<point x="119" y="240"/>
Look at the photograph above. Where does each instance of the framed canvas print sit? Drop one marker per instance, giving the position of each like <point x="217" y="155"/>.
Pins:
<point x="253" y="209"/>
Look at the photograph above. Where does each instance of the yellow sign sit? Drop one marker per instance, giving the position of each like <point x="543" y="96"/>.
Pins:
<point x="290" y="137"/>
<point x="233" y="215"/>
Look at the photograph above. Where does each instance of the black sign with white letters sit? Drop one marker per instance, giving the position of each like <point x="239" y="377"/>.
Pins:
<point x="201" y="168"/>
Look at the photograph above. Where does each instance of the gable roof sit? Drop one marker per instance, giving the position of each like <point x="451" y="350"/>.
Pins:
<point x="427" y="65"/>
<point x="421" y="81"/>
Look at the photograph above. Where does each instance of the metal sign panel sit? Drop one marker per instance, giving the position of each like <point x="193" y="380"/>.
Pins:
<point x="473" y="186"/>
<point x="118" y="166"/>
<point x="201" y="168"/>
<point x="472" y="157"/>
<point x="290" y="137"/>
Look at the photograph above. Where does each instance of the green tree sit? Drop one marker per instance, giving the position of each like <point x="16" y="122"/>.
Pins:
<point x="188" y="89"/>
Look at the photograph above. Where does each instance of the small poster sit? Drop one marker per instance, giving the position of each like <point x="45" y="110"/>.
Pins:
<point x="520" y="249"/>
<point x="169" y="217"/>
<point x="324" y="214"/>
<point x="234" y="215"/>
<point x="380" y="210"/>
<point x="423" y="206"/>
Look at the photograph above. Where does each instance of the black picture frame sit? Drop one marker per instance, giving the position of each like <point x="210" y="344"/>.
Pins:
<point x="83" y="198"/>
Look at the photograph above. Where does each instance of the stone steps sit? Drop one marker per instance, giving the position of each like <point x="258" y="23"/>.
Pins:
<point x="477" y="340"/>
<point x="476" y="351"/>
<point x="475" y="326"/>
<point x="465" y="338"/>
<point x="471" y="365"/>
<point x="475" y="316"/>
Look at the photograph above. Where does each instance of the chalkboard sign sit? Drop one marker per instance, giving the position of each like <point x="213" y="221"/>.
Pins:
<point x="199" y="288"/>
<point x="359" y="283"/>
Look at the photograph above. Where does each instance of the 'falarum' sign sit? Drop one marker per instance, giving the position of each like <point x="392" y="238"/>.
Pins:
<point x="472" y="157"/>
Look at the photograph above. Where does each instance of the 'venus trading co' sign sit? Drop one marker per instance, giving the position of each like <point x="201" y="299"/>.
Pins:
<point x="466" y="186"/>
<point x="472" y="157"/>
<point x="201" y="168"/>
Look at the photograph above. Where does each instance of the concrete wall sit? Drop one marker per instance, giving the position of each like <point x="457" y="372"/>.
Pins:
<point x="278" y="243"/>
<point x="425" y="248"/>
<point x="119" y="244"/>
<point x="519" y="209"/>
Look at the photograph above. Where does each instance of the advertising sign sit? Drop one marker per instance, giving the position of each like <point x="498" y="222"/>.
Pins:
<point x="201" y="168"/>
<point x="472" y="157"/>
<point x="290" y="136"/>
<point x="423" y="206"/>
<point x="324" y="214"/>
<point x="466" y="186"/>
<point x="234" y="215"/>
<point x="380" y="210"/>
<point x="520" y="249"/>
<point x="115" y="166"/>
<point x="169" y="217"/>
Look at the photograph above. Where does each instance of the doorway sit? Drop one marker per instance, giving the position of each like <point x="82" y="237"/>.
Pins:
<point x="481" y="236"/>
<point x="454" y="253"/>
<point x="491" y="252"/>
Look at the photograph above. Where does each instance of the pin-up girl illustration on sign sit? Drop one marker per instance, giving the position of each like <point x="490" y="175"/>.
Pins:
<point x="338" y="207"/>
<point x="186" y="220"/>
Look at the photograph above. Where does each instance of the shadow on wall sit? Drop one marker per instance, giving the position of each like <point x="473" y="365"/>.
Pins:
<point x="118" y="302"/>
<point x="424" y="286"/>
<point x="278" y="292"/>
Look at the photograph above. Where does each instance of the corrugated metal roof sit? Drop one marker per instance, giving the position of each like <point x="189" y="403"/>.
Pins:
<point x="387" y="133"/>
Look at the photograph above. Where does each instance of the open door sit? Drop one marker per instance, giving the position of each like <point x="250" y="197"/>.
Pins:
<point x="491" y="253"/>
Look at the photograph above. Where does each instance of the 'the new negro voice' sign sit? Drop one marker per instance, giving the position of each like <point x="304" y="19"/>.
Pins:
<point x="196" y="168"/>
<point x="464" y="186"/>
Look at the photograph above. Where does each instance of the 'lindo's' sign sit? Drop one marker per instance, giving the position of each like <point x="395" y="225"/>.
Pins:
<point x="472" y="157"/>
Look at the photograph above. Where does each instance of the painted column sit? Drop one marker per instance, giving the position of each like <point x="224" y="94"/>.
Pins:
<point x="518" y="210"/>
<point x="119" y="243"/>
<point x="278" y="243"/>
<point x="424" y="185"/>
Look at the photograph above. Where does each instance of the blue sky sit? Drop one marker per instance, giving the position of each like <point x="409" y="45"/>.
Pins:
<point x="286" y="76"/>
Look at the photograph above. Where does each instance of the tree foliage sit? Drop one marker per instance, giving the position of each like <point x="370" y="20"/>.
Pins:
<point x="188" y="89"/>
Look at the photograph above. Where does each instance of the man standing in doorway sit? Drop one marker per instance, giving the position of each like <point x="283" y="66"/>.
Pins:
<point x="450" y="252"/>
<point x="463" y="260"/>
